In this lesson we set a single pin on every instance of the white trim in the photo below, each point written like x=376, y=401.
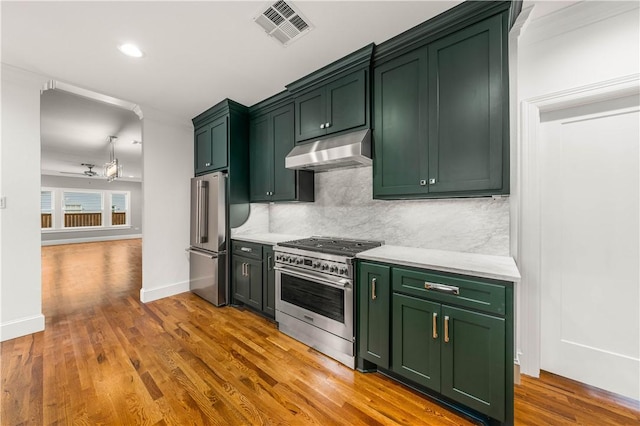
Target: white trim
x=149, y=295
x=111, y=228
x=90, y=239
x=529, y=208
x=21, y=327
x=575, y=16
x=90, y=94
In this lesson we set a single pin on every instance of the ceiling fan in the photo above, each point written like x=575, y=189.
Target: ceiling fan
x=88, y=172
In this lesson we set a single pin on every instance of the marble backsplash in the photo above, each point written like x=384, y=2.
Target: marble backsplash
x=344, y=207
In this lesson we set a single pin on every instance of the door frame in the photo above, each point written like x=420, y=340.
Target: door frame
x=529, y=212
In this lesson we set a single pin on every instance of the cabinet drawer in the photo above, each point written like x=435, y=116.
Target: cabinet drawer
x=473, y=293
x=245, y=249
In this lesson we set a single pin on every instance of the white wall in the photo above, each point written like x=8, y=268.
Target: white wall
x=20, y=269
x=167, y=167
x=568, y=51
x=580, y=45
x=70, y=236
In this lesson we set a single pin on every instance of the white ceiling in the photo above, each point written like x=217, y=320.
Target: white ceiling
x=197, y=53
x=76, y=130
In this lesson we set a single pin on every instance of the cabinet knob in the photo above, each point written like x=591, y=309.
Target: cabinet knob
x=207, y=164
x=432, y=181
x=423, y=182
x=322, y=126
x=327, y=125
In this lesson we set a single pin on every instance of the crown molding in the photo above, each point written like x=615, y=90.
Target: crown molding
x=573, y=17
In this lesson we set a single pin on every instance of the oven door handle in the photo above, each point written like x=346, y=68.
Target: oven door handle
x=339, y=283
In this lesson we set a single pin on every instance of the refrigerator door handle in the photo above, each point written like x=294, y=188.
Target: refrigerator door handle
x=200, y=253
x=203, y=211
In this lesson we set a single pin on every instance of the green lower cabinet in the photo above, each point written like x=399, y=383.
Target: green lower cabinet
x=253, y=277
x=473, y=360
x=416, y=340
x=269, y=282
x=456, y=352
x=248, y=281
x=374, y=293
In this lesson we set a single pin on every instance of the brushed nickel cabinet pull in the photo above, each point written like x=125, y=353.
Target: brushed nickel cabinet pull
x=434, y=333
x=322, y=126
x=442, y=288
x=373, y=289
x=446, y=329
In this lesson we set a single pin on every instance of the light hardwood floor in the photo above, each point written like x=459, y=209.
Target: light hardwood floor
x=106, y=358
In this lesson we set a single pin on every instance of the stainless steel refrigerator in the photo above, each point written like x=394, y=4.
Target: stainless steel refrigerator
x=208, y=272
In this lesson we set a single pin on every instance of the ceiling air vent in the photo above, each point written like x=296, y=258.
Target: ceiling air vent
x=282, y=21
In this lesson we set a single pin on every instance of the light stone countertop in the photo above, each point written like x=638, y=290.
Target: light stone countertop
x=266, y=238
x=478, y=265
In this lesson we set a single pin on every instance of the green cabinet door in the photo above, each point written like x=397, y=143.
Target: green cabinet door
x=310, y=115
x=241, y=285
x=219, y=140
x=261, y=158
x=473, y=360
x=253, y=270
x=268, y=282
x=417, y=326
x=247, y=281
x=374, y=304
x=202, y=147
x=400, y=166
x=284, y=180
x=211, y=146
x=347, y=100
x=467, y=106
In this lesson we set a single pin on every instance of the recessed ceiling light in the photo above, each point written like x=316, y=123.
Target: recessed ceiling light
x=131, y=50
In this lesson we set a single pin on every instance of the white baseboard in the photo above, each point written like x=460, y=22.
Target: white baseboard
x=21, y=327
x=90, y=239
x=149, y=295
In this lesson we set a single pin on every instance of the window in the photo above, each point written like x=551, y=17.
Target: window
x=74, y=209
x=118, y=209
x=46, y=209
x=82, y=209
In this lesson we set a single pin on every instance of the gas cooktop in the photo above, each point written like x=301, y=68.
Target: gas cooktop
x=331, y=245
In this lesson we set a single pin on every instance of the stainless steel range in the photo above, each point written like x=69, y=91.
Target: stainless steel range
x=315, y=293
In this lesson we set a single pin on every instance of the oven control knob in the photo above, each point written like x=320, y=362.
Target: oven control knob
x=333, y=268
x=292, y=259
x=325, y=266
x=343, y=271
x=299, y=261
x=316, y=265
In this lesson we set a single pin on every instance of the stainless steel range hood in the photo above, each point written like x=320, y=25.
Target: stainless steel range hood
x=348, y=150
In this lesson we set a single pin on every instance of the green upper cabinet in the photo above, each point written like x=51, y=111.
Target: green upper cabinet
x=271, y=139
x=441, y=112
x=467, y=109
x=311, y=115
x=261, y=158
x=338, y=106
x=211, y=146
x=221, y=143
x=401, y=151
x=334, y=99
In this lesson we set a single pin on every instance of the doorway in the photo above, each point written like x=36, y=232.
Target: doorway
x=589, y=240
